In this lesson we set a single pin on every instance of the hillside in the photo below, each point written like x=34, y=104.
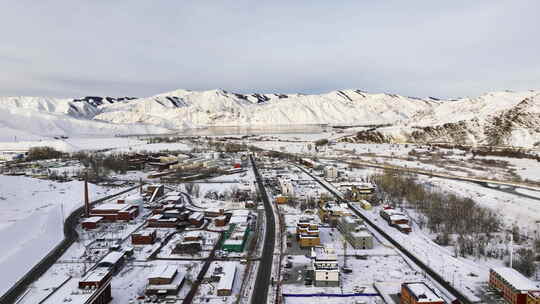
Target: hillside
x=494, y=118
x=501, y=118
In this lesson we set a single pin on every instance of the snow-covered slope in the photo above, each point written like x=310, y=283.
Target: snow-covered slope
x=493, y=118
x=180, y=109
x=32, y=118
x=499, y=118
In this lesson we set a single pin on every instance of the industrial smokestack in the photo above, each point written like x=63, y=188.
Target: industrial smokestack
x=86, y=199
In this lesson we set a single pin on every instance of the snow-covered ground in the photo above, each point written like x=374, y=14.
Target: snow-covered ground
x=31, y=223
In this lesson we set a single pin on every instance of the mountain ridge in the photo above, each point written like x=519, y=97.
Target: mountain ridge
x=472, y=120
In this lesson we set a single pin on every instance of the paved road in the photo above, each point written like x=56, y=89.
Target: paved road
x=264, y=274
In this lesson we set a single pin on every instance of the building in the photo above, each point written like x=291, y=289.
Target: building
x=172, y=199
x=196, y=218
x=330, y=212
x=325, y=266
x=94, y=288
x=187, y=247
x=165, y=280
x=280, y=199
x=419, y=293
x=249, y=204
x=330, y=172
x=163, y=274
x=355, y=232
x=307, y=232
x=143, y=237
x=357, y=191
x=235, y=238
x=99, y=280
x=226, y=281
x=286, y=186
x=114, y=260
x=155, y=191
x=115, y=212
x=159, y=221
x=191, y=236
x=514, y=287
x=240, y=217
x=91, y=223
x=220, y=221
x=214, y=212
x=533, y=297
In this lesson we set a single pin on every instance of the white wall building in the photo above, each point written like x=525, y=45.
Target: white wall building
x=325, y=267
x=330, y=172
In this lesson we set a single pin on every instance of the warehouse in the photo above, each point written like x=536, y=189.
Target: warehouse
x=95, y=288
x=226, y=281
x=113, y=260
x=514, y=287
x=91, y=223
x=419, y=292
x=165, y=280
x=115, y=212
x=143, y=237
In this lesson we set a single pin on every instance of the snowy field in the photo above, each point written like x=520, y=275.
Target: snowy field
x=31, y=223
x=74, y=144
x=116, y=144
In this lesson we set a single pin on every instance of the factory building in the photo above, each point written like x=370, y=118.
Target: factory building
x=514, y=287
x=419, y=293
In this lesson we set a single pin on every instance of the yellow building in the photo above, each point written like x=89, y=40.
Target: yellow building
x=307, y=232
x=280, y=199
x=533, y=297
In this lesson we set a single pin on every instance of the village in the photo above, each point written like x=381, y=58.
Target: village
x=215, y=226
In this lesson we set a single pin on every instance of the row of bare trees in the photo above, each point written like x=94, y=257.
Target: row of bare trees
x=471, y=229
x=437, y=210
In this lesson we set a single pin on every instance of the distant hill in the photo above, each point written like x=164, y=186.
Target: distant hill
x=509, y=118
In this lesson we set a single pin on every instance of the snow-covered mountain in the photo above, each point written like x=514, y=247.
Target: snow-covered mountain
x=498, y=118
x=494, y=118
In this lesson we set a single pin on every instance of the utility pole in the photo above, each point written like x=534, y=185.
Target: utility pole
x=86, y=199
x=344, y=253
x=62, y=212
x=511, y=249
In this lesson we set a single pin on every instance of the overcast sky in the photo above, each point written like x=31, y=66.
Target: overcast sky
x=141, y=48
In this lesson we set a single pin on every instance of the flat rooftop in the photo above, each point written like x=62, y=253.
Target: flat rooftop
x=515, y=278
x=92, y=219
x=164, y=272
x=70, y=293
x=111, y=207
x=423, y=292
x=96, y=275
